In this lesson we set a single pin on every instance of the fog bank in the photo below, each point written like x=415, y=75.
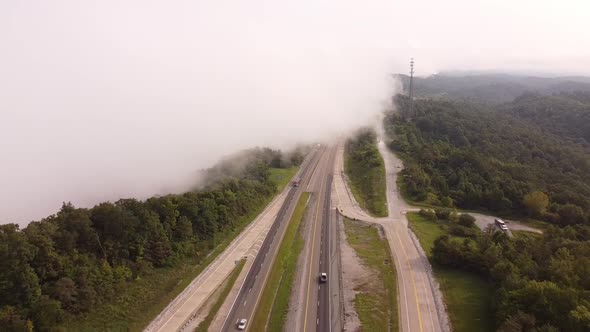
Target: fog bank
x=109, y=99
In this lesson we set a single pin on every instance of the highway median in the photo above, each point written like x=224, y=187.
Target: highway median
x=272, y=310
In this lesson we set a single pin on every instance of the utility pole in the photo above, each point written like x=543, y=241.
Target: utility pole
x=411, y=86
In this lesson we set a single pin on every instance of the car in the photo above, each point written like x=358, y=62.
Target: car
x=242, y=324
x=399, y=166
x=504, y=228
x=323, y=277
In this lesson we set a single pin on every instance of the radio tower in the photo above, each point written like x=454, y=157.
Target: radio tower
x=411, y=86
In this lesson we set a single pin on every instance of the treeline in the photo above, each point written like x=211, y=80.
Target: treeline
x=235, y=165
x=541, y=283
x=469, y=156
x=566, y=115
x=365, y=168
x=77, y=259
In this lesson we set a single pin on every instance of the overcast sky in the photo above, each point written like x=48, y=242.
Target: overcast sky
x=106, y=99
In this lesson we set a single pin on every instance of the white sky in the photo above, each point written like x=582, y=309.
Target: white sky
x=106, y=99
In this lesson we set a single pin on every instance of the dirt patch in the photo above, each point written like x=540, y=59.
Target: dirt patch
x=356, y=278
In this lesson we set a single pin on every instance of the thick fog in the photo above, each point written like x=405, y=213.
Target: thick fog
x=107, y=99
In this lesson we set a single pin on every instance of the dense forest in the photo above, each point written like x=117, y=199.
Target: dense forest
x=474, y=157
x=70, y=262
x=541, y=282
x=491, y=88
x=528, y=157
x=364, y=166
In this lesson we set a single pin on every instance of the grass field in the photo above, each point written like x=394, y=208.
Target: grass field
x=142, y=300
x=227, y=285
x=376, y=304
x=282, y=176
x=274, y=302
x=467, y=295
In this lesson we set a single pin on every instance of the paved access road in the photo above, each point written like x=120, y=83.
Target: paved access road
x=420, y=302
x=248, y=297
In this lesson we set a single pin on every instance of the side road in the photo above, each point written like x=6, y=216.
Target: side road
x=420, y=300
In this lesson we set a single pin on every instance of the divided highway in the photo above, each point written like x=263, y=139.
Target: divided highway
x=245, y=303
x=317, y=314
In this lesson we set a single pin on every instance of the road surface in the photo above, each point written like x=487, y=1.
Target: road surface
x=420, y=301
x=248, y=297
x=319, y=313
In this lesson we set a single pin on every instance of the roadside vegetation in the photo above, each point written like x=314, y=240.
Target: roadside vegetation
x=227, y=286
x=117, y=265
x=365, y=168
x=537, y=282
x=274, y=303
x=282, y=176
x=466, y=294
x=376, y=302
x=528, y=158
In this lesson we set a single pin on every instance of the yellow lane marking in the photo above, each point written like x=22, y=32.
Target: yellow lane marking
x=413, y=281
x=311, y=253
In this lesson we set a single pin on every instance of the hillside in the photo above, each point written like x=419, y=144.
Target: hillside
x=483, y=158
x=108, y=267
x=492, y=88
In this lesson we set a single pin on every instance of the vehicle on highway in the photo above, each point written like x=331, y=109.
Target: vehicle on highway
x=399, y=166
x=500, y=223
x=323, y=277
x=242, y=324
x=296, y=182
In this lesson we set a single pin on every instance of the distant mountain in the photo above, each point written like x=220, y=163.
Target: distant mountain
x=492, y=88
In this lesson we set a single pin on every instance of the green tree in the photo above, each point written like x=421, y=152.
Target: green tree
x=536, y=202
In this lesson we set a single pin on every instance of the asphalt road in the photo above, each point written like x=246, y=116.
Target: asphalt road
x=317, y=313
x=251, y=289
x=420, y=303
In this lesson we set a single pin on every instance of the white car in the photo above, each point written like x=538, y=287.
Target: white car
x=242, y=324
x=504, y=228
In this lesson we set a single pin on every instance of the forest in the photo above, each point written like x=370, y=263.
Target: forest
x=476, y=157
x=528, y=159
x=541, y=282
x=364, y=166
x=72, y=261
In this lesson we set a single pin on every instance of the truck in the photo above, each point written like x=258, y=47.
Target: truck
x=296, y=182
x=500, y=223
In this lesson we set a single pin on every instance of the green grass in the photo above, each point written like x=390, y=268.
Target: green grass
x=282, y=176
x=142, y=300
x=274, y=303
x=367, y=184
x=227, y=286
x=467, y=295
x=376, y=304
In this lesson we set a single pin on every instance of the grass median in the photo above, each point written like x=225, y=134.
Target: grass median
x=274, y=304
x=365, y=169
x=467, y=295
x=227, y=285
x=376, y=300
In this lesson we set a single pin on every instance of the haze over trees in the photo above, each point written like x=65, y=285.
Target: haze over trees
x=70, y=262
x=483, y=158
x=528, y=157
x=365, y=167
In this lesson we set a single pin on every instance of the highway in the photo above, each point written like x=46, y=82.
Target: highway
x=317, y=312
x=245, y=303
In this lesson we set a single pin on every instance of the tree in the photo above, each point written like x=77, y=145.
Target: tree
x=466, y=220
x=536, y=203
